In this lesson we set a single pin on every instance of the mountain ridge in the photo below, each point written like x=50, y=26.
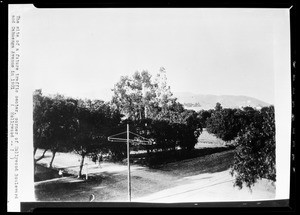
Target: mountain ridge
x=208, y=101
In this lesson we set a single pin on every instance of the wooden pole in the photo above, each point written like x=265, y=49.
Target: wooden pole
x=128, y=164
x=86, y=171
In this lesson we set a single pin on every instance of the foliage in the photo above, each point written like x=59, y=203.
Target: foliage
x=94, y=121
x=141, y=96
x=134, y=95
x=255, y=152
x=52, y=121
x=144, y=99
x=38, y=122
x=218, y=106
x=191, y=128
x=224, y=123
x=253, y=132
x=69, y=124
x=203, y=115
x=83, y=126
x=169, y=131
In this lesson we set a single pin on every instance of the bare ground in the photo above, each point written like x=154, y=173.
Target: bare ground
x=109, y=183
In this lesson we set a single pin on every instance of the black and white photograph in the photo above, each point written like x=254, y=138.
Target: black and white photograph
x=152, y=105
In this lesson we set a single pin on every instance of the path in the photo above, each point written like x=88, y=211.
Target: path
x=199, y=179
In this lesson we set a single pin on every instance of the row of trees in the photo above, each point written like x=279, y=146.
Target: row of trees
x=69, y=124
x=83, y=126
x=252, y=131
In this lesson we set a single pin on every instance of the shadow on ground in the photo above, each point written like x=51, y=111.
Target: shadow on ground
x=211, y=163
x=158, y=159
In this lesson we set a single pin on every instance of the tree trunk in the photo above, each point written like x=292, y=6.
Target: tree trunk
x=53, y=155
x=81, y=165
x=42, y=156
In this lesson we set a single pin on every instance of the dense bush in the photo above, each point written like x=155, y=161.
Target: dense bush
x=203, y=116
x=66, y=124
x=227, y=123
x=166, y=135
x=253, y=134
x=255, y=153
x=224, y=124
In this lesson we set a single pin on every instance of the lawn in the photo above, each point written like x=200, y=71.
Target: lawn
x=207, y=140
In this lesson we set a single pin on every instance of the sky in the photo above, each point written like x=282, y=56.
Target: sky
x=84, y=52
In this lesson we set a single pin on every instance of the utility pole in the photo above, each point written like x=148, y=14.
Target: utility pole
x=141, y=140
x=128, y=164
x=86, y=171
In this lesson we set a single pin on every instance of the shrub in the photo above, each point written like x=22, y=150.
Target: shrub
x=255, y=153
x=224, y=123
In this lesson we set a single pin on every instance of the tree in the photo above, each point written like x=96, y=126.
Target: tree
x=164, y=96
x=224, y=123
x=52, y=122
x=69, y=124
x=59, y=119
x=139, y=97
x=37, y=119
x=255, y=153
x=142, y=98
x=95, y=120
x=193, y=129
x=203, y=115
x=246, y=115
x=172, y=129
x=133, y=96
x=39, y=140
x=218, y=106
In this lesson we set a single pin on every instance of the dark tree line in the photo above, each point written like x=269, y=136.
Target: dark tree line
x=252, y=131
x=67, y=124
x=83, y=126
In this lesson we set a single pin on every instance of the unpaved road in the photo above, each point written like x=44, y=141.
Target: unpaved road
x=210, y=187
x=200, y=179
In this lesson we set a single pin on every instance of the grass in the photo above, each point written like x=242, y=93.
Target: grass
x=207, y=144
x=211, y=163
x=208, y=138
x=163, y=157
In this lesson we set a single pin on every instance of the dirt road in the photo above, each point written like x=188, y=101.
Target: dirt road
x=199, y=179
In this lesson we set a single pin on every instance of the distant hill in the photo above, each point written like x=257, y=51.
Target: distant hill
x=201, y=101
